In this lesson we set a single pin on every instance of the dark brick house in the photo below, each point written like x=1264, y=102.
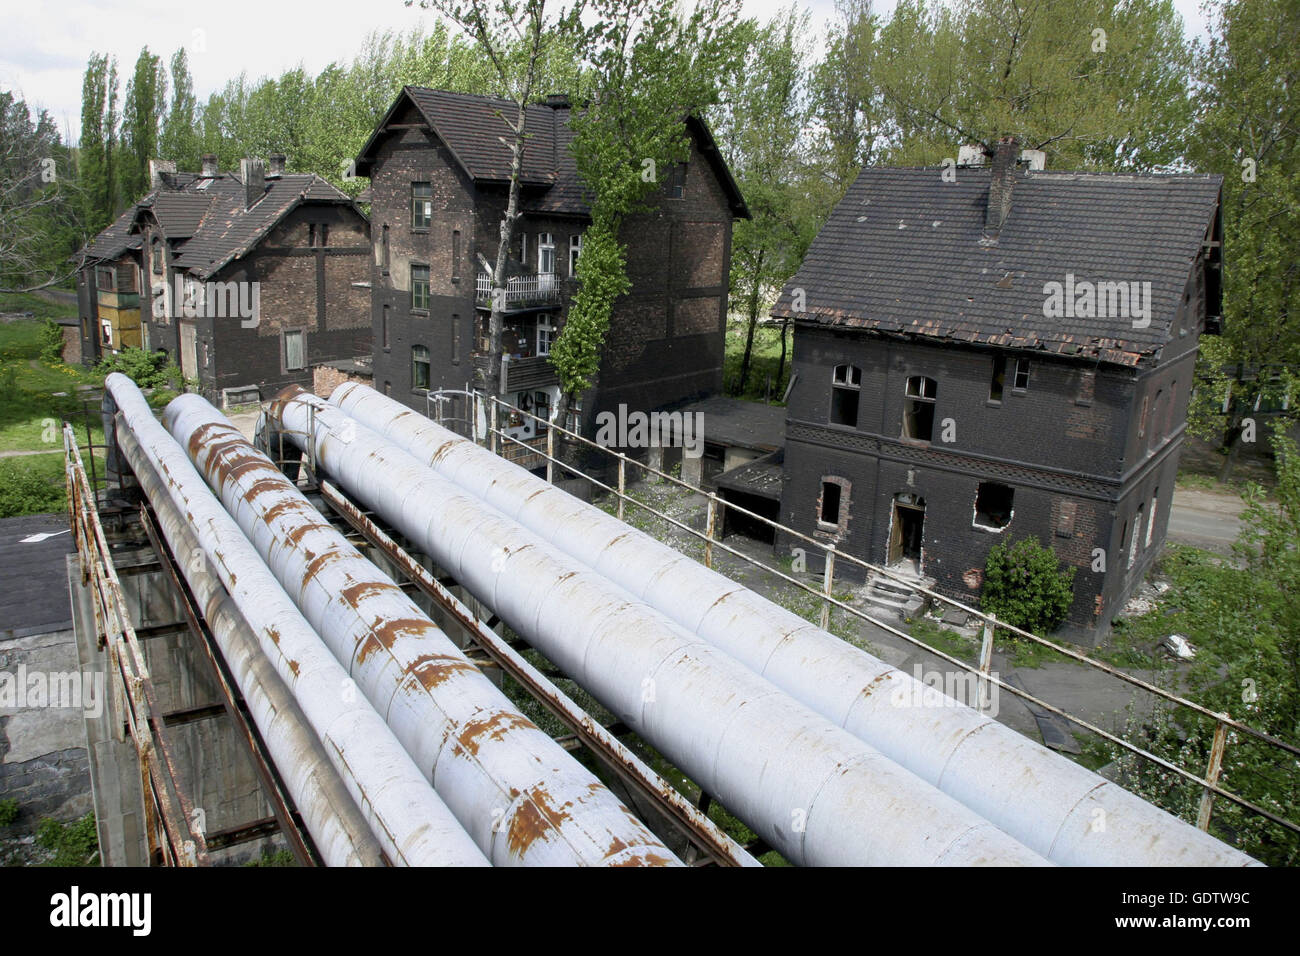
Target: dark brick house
x=439, y=183
x=247, y=280
x=968, y=368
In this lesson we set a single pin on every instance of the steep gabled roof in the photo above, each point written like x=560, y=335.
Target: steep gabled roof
x=472, y=129
x=114, y=240
x=904, y=252
x=178, y=213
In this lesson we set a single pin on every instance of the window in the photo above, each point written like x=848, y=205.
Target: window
x=384, y=259
x=999, y=376
x=1137, y=535
x=677, y=181
x=1169, y=407
x=993, y=506
x=846, y=383
x=383, y=327
x=455, y=340
x=318, y=234
x=419, y=367
x=1142, y=421
x=104, y=279
x=388, y=388
x=545, y=335
x=918, y=413
x=575, y=250
x=157, y=257
x=294, y=357
x=1155, y=413
x=542, y=409
x=1151, y=521
x=311, y=234
x=419, y=288
x=455, y=255
x=546, y=254
x=421, y=205
x=829, y=513
x=1087, y=387
x=1022, y=375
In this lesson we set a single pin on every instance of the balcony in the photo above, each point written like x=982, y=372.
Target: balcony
x=535, y=291
x=519, y=374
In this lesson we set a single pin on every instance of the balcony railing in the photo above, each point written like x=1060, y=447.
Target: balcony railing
x=521, y=292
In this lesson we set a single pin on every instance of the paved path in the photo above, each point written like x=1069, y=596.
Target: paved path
x=1205, y=519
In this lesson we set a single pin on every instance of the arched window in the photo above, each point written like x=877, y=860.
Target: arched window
x=918, y=412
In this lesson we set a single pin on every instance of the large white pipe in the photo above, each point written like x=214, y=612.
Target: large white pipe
x=338, y=831
x=1053, y=805
x=412, y=825
x=521, y=796
x=814, y=792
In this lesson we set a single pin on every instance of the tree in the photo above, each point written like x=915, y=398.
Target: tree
x=514, y=36
x=180, y=139
x=38, y=205
x=146, y=93
x=98, y=147
x=650, y=69
x=1025, y=586
x=1248, y=128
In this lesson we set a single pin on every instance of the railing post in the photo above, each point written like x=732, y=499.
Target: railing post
x=1212, y=774
x=622, y=484
x=708, y=531
x=492, y=424
x=986, y=661
x=550, y=453
x=828, y=580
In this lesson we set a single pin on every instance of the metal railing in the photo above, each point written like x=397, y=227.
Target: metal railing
x=519, y=291
x=168, y=808
x=1225, y=725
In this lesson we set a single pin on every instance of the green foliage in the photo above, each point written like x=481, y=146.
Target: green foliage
x=271, y=857
x=31, y=485
x=1025, y=585
x=51, y=342
x=8, y=812
x=945, y=639
x=602, y=272
x=142, y=112
x=97, y=152
x=146, y=369
x=73, y=844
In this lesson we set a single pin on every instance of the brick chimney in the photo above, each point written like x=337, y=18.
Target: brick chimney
x=156, y=168
x=1002, y=177
x=253, y=173
x=275, y=166
x=208, y=165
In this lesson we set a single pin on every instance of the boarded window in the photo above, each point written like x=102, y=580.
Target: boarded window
x=419, y=366
x=918, y=411
x=421, y=205
x=846, y=384
x=383, y=327
x=419, y=288
x=1151, y=520
x=999, y=377
x=384, y=260
x=455, y=254
x=993, y=505
x=1087, y=387
x=1065, y=519
x=1137, y=535
x=295, y=357
x=455, y=340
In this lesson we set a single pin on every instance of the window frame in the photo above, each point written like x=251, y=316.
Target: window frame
x=302, y=347
x=1022, y=369
x=575, y=253
x=1011, y=507
x=425, y=201
x=417, y=361
x=927, y=393
x=544, y=325
x=998, y=380
x=844, y=489
x=545, y=245
x=846, y=391
x=415, y=307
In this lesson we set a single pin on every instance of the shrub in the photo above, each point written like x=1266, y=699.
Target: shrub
x=146, y=369
x=1025, y=585
x=8, y=812
x=31, y=486
x=51, y=342
x=73, y=844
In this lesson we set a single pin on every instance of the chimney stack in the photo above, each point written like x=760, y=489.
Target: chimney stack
x=156, y=169
x=1002, y=177
x=208, y=165
x=253, y=173
x=275, y=166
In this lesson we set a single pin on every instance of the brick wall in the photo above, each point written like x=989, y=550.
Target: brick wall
x=325, y=378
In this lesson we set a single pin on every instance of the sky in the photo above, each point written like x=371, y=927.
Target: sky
x=45, y=43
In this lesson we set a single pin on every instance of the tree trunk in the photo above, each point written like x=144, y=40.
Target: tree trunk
x=780, y=366
x=496, y=318
x=753, y=324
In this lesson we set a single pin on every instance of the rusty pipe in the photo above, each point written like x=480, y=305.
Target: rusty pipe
x=1058, y=808
x=412, y=825
x=521, y=796
x=808, y=787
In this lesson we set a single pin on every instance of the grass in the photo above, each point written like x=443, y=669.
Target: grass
x=950, y=642
x=39, y=307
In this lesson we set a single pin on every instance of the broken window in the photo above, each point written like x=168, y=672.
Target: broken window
x=419, y=288
x=993, y=505
x=846, y=383
x=294, y=359
x=918, y=414
x=1137, y=535
x=830, y=514
x=999, y=376
x=1151, y=521
x=419, y=367
x=1022, y=374
x=421, y=205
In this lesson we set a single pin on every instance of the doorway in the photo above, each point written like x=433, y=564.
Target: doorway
x=906, y=530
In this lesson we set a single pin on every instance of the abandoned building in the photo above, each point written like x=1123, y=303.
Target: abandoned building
x=246, y=280
x=439, y=175
x=996, y=351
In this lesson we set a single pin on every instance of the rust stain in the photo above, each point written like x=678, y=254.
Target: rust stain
x=492, y=727
x=389, y=630
x=274, y=634
x=535, y=820
x=645, y=858
x=368, y=647
x=875, y=681
x=293, y=666
x=354, y=594
x=433, y=669
x=317, y=563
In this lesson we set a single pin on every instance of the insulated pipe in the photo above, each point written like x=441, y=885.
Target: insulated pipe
x=813, y=791
x=339, y=832
x=523, y=798
x=412, y=825
x=1054, y=806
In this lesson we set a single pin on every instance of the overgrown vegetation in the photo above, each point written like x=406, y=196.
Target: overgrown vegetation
x=72, y=844
x=271, y=857
x=1025, y=586
x=8, y=812
x=31, y=486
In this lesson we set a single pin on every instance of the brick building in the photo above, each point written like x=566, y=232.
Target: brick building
x=439, y=184
x=969, y=368
x=247, y=280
